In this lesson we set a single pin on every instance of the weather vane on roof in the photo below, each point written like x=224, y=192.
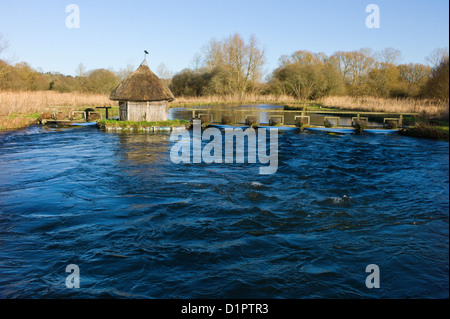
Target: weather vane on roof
x=145, y=52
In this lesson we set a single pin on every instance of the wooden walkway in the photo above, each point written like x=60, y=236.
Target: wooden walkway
x=303, y=117
x=70, y=114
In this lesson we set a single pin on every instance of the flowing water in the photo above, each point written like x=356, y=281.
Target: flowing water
x=139, y=226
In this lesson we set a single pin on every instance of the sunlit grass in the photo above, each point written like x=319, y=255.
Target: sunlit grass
x=168, y=123
x=238, y=99
x=426, y=130
x=29, y=102
x=423, y=107
x=20, y=109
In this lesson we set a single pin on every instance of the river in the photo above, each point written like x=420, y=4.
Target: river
x=139, y=226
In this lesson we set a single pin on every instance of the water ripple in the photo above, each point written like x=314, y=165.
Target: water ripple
x=139, y=226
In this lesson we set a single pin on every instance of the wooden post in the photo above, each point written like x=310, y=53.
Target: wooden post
x=400, y=121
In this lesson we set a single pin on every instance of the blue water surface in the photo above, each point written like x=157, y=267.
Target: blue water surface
x=139, y=226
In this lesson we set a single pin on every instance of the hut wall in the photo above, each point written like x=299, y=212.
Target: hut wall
x=123, y=111
x=144, y=111
x=157, y=111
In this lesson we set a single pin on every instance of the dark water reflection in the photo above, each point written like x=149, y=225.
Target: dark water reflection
x=263, y=112
x=138, y=225
x=239, y=114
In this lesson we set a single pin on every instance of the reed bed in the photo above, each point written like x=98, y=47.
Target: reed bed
x=28, y=102
x=18, y=109
x=184, y=101
x=423, y=107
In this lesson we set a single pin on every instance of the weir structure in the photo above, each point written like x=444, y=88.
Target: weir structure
x=301, y=117
x=329, y=121
x=304, y=119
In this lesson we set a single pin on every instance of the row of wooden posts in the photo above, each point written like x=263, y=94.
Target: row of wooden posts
x=361, y=118
x=62, y=114
x=304, y=118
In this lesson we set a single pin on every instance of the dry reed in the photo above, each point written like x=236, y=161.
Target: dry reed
x=27, y=102
x=423, y=107
x=232, y=99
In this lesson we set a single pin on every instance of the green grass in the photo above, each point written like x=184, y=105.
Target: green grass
x=308, y=106
x=195, y=104
x=33, y=115
x=426, y=130
x=168, y=123
x=13, y=116
x=442, y=128
x=17, y=121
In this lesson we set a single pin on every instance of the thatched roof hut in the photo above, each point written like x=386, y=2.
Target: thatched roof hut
x=142, y=96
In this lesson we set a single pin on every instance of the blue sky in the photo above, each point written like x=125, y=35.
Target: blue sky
x=113, y=34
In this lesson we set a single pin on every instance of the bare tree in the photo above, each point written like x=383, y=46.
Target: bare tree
x=341, y=62
x=4, y=43
x=353, y=65
x=163, y=72
x=125, y=72
x=196, y=62
x=415, y=76
x=437, y=56
x=240, y=62
x=391, y=56
x=438, y=84
x=81, y=70
x=304, y=57
x=213, y=55
x=254, y=61
x=414, y=72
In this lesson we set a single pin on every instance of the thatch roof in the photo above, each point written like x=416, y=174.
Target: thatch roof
x=141, y=86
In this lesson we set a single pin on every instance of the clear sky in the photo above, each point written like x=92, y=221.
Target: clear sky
x=113, y=34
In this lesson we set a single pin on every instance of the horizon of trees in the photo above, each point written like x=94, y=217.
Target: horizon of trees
x=311, y=75
x=234, y=66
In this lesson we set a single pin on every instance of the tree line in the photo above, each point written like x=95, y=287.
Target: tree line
x=21, y=77
x=234, y=66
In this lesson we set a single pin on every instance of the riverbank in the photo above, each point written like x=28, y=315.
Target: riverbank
x=114, y=125
x=230, y=100
x=20, y=109
x=119, y=203
x=17, y=121
x=426, y=108
x=431, y=131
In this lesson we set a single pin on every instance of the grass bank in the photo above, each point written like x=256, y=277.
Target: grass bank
x=230, y=100
x=137, y=125
x=39, y=101
x=20, y=109
x=424, y=107
x=17, y=121
x=438, y=130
